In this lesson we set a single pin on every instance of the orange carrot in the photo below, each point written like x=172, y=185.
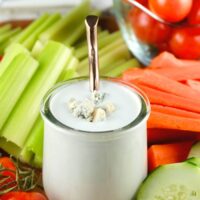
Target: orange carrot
x=157, y=81
x=159, y=136
x=167, y=153
x=132, y=74
x=175, y=73
x=183, y=74
x=168, y=60
x=174, y=111
x=171, y=100
x=166, y=121
x=194, y=84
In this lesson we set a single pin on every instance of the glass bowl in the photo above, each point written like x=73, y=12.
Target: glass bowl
x=146, y=41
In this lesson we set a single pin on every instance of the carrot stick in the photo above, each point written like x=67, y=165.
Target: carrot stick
x=174, y=111
x=132, y=74
x=171, y=100
x=167, y=153
x=166, y=121
x=159, y=136
x=175, y=73
x=168, y=60
x=183, y=74
x=162, y=83
x=194, y=84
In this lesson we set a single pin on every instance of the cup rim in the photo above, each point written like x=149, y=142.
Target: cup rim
x=48, y=115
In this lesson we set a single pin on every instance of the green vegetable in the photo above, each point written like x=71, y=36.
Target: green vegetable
x=5, y=28
x=70, y=70
x=31, y=29
x=13, y=83
x=103, y=40
x=118, y=70
x=114, y=65
x=9, y=147
x=37, y=49
x=107, y=56
x=52, y=61
x=7, y=35
x=10, y=53
x=32, y=151
x=67, y=23
x=173, y=181
x=50, y=21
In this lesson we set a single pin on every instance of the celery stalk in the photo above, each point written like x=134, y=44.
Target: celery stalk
x=5, y=40
x=117, y=71
x=31, y=28
x=9, y=147
x=112, y=66
x=37, y=49
x=59, y=30
x=20, y=72
x=7, y=35
x=117, y=54
x=74, y=34
x=101, y=34
x=76, y=31
x=104, y=40
x=5, y=28
x=108, y=55
x=106, y=50
x=11, y=52
x=52, y=61
x=70, y=66
x=119, y=43
x=33, y=148
x=70, y=72
x=30, y=41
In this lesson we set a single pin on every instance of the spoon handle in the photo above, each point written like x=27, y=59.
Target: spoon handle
x=91, y=23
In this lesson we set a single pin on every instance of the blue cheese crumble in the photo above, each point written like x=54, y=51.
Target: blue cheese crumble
x=93, y=109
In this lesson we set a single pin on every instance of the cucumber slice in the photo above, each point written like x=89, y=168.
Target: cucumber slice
x=194, y=161
x=195, y=150
x=172, y=182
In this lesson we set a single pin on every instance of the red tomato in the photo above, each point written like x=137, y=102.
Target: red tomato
x=143, y=2
x=8, y=164
x=171, y=10
x=185, y=43
x=194, y=15
x=1, y=58
x=147, y=29
x=23, y=196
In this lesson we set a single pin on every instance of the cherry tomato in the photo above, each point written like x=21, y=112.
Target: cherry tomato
x=7, y=163
x=171, y=10
x=1, y=57
x=143, y=2
x=185, y=43
x=147, y=29
x=23, y=196
x=194, y=15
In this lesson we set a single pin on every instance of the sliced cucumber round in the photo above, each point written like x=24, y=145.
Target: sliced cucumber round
x=180, y=181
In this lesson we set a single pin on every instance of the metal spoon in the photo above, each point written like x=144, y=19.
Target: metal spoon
x=91, y=23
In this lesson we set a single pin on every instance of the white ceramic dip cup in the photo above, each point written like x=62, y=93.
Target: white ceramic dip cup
x=82, y=162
